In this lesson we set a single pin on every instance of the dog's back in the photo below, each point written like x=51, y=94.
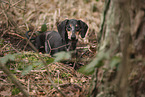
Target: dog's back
x=53, y=42
x=48, y=42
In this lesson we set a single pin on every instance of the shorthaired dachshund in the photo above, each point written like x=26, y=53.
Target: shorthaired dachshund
x=64, y=40
x=70, y=30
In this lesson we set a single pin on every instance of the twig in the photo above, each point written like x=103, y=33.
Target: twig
x=104, y=19
x=13, y=5
x=4, y=46
x=14, y=48
x=41, y=88
x=58, y=76
x=16, y=3
x=84, y=53
x=64, y=67
x=19, y=42
x=32, y=71
x=28, y=87
x=16, y=35
x=28, y=42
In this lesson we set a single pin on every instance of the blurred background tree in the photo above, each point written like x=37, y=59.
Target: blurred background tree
x=121, y=70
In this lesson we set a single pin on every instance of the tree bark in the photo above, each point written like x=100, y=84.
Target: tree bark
x=122, y=32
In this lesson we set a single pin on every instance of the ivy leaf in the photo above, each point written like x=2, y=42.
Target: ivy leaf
x=50, y=60
x=62, y=56
x=115, y=61
x=43, y=28
x=15, y=91
x=27, y=69
x=89, y=69
x=6, y=58
x=96, y=63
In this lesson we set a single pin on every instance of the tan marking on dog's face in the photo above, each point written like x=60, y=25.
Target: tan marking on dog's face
x=69, y=34
x=70, y=25
x=77, y=35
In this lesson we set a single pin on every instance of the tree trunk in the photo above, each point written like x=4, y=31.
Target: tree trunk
x=122, y=33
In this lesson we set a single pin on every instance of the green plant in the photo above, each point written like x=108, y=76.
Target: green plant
x=15, y=91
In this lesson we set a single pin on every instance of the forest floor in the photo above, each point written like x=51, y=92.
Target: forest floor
x=17, y=17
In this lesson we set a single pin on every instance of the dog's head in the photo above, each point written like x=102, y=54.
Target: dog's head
x=71, y=29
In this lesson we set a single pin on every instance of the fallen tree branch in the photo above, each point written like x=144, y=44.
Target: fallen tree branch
x=14, y=80
x=15, y=34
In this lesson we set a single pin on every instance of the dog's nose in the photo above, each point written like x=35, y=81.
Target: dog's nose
x=73, y=37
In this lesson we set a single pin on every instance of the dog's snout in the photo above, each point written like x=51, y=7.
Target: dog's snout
x=73, y=37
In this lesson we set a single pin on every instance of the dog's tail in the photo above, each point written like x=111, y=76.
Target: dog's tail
x=32, y=38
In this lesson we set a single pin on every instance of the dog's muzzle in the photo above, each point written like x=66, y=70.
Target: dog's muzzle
x=73, y=36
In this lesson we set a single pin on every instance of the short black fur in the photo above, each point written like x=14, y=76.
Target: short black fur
x=48, y=42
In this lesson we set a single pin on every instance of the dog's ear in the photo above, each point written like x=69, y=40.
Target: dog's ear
x=61, y=27
x=84, y=28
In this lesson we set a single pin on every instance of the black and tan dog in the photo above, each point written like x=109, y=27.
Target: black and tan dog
x=70, y=31
x=64, y=40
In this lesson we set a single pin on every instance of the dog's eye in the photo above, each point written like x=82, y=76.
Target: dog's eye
x=69, y=28
x=77, y=28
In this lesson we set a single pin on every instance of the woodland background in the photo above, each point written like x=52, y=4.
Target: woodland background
x=19, y=16
x=113, y=51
